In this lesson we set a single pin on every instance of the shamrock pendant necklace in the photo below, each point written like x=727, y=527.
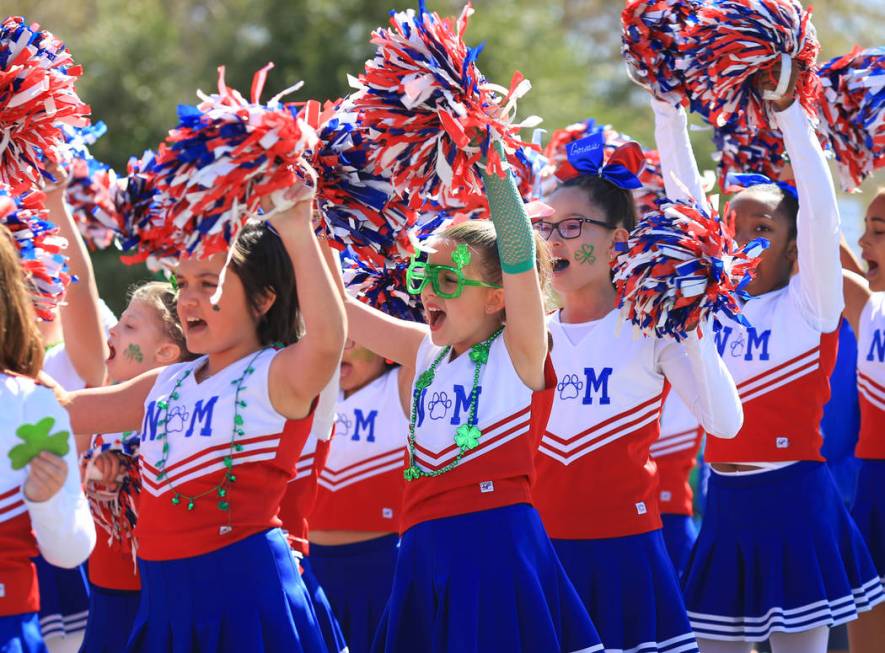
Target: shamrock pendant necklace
x=467, y=436
x=237, y=431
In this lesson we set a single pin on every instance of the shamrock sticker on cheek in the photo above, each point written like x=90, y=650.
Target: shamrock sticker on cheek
x=585, y=254
x=36, y=439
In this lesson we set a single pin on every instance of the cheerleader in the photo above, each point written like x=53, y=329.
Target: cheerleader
x=75, y=358
x=42, y=508
x=606, y=414
x=778, y=557
x=675, y=453
x=353, y=538
x=298, y=503
x=219, y=440
x=475, y=570
x=865, y=309
x=147, y=336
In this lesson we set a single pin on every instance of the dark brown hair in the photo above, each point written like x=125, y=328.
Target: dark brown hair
x=21, y=348
x=617, y=203
x=261, y=262
x=480, y=236
x=787, y=205
x=162, y=298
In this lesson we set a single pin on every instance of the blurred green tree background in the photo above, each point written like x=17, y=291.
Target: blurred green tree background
x=143, y=57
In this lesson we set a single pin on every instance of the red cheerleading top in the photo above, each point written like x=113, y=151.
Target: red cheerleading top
x=871, y=378
x=500, y=470
x=675, y=453
x=112, y=564
x=361, y=486
x=59, y=528
x=199, y=426
x=301, y=493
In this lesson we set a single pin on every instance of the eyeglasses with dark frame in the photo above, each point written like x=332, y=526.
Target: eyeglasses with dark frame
x=568, y=229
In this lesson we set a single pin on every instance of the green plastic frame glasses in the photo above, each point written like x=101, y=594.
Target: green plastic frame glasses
x=447, y=281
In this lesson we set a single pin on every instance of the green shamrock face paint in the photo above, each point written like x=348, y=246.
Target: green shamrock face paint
x=585, y=254
x=133, y=353
x=36, y=438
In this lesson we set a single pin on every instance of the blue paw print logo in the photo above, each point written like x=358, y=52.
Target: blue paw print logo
x=738, y=345
x=570, y=387
x=176, y=419
x=439, y=405
x=342, y=425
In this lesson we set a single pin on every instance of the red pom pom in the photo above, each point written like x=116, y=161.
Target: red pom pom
x=37, y=97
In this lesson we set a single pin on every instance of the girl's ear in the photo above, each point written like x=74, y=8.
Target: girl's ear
x=792, y=254
x=495, y=301
x=620, y=235
x=167, y=353
x=267, y=300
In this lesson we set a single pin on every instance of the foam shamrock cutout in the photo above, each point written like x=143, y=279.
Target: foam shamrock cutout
x=467, y=437
x=37, y=438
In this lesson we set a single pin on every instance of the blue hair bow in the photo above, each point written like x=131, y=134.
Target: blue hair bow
x=586, y=156
x=735, y=182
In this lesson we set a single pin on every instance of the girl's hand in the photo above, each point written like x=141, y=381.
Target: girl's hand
x=47, y=473
x=768, y=81
x=298, y=201
x=107, y=464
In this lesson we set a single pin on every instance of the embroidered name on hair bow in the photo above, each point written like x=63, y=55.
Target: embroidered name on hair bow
x=735, y=182
x=586, y=157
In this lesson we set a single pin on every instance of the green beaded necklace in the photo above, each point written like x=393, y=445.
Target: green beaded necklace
x=467, y=436
x=220, y=489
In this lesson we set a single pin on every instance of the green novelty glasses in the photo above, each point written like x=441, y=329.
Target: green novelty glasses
x=447, y=281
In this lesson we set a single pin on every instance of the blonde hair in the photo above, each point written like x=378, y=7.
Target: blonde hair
x=163, y=299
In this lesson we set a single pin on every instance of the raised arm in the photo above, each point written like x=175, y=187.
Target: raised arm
x=682, y=180
x=300, y=371
x=526, y=332
x=817, y=225
x=395, y=339
x=85, y=341
x=700, y=378
x=62, y=524
x=857, y=294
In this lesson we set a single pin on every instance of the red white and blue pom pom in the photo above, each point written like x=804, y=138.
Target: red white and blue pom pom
x=679, y=267
x=226, y=154
x=731, y=41
x=651, y=37
x=39, y=247
x=114, y=506
x=37, y=97
x=358, y=208
x=741, y=149
x=853, y=113
x=432, y=114
x=146, y=236
x=90, y=193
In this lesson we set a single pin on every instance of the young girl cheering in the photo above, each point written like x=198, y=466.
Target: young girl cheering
x=148, y=336
x=778, y=557
x=475, y=570
x=353, y=538
x=42, y=508
x=597, y=488
x=220, y=437
x=865, y=310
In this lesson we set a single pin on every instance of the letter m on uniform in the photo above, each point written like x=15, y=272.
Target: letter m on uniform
x=596, y=384
x=877, y=346
x=364, y=422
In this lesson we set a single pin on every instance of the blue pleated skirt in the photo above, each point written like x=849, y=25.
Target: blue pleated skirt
x=869, y=510
x=357, y=579
x=680, y=534
x=111, y=615
x=20, y=633
x=483, y=582
x=777, y=552
x=329, y=625
x=630, y=589
x=64, y=599
x=248, y=596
